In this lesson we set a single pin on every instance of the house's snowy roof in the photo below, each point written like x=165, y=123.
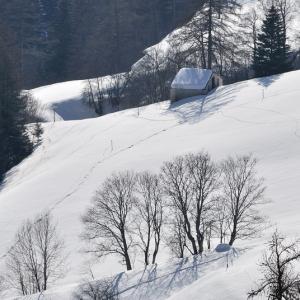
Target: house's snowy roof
x=191, y=78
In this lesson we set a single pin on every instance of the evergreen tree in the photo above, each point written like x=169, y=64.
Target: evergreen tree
x=60, y=48
x=271, y=53
x=15, y=143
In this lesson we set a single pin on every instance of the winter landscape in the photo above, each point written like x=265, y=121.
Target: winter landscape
x=172, y=173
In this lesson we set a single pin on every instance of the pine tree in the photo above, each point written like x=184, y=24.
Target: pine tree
x=57, y=63
x=15, y=143
x=38, y=132
x=271, y=53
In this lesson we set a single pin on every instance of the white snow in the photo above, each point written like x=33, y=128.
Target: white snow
x=260, y=116
x=191, y=78
x=63, y=101
x=156, y=282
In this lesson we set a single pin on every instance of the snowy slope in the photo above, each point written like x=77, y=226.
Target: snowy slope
x=63, y=101
x=156, y=282
x=259, y=116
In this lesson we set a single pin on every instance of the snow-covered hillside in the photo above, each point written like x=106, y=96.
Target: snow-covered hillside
x=63, y=101
x=261, y=116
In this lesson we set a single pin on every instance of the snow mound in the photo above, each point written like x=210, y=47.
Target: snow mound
x=223, y=248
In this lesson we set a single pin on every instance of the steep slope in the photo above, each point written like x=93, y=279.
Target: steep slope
x=259, y=116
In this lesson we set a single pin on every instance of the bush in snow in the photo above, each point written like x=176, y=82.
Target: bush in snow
x=92, y=289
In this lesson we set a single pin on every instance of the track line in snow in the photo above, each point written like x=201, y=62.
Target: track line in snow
x=289, y=117
x=90, y=171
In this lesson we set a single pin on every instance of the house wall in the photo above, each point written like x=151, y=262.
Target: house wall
x=177, y=94
x=218, y=80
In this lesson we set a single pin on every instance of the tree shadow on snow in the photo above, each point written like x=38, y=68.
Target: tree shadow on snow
x=74, y=109
x=152, y=284
x=267, y=81
x=194, y=109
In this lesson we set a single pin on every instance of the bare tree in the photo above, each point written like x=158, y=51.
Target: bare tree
x=279, y=278
x=190, y=181
x=178, y=186
x=50, y=249
x=176, y=241
x=107, y=222
x=36, y=259
x=149, y=77
x=116, y=90
x=243, y=192
x=93, y=94
x=250, y=22
x=204, y=175
x=221, y=218
x=149, y=219
x=210, y=32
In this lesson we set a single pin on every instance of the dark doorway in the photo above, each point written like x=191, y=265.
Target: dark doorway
x=213, y=82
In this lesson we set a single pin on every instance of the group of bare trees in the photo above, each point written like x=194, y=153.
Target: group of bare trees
x=192, y=201
x=37, y=257
x=150, y=77
x=146, y=83
x=105, y=94
x=126, y=213
x=212, y=200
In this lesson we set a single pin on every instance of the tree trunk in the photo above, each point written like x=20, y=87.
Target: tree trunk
x=157, y=242
x=233, y=234
x=146, y=252
x=126, y=254
x=209, y=50
x=187, y=228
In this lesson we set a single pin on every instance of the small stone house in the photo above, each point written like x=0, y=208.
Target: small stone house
x=193, y=82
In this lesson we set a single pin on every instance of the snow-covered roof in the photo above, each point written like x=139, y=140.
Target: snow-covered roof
x=191, y=78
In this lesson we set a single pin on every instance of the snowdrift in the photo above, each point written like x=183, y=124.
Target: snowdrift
x=260, y=116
